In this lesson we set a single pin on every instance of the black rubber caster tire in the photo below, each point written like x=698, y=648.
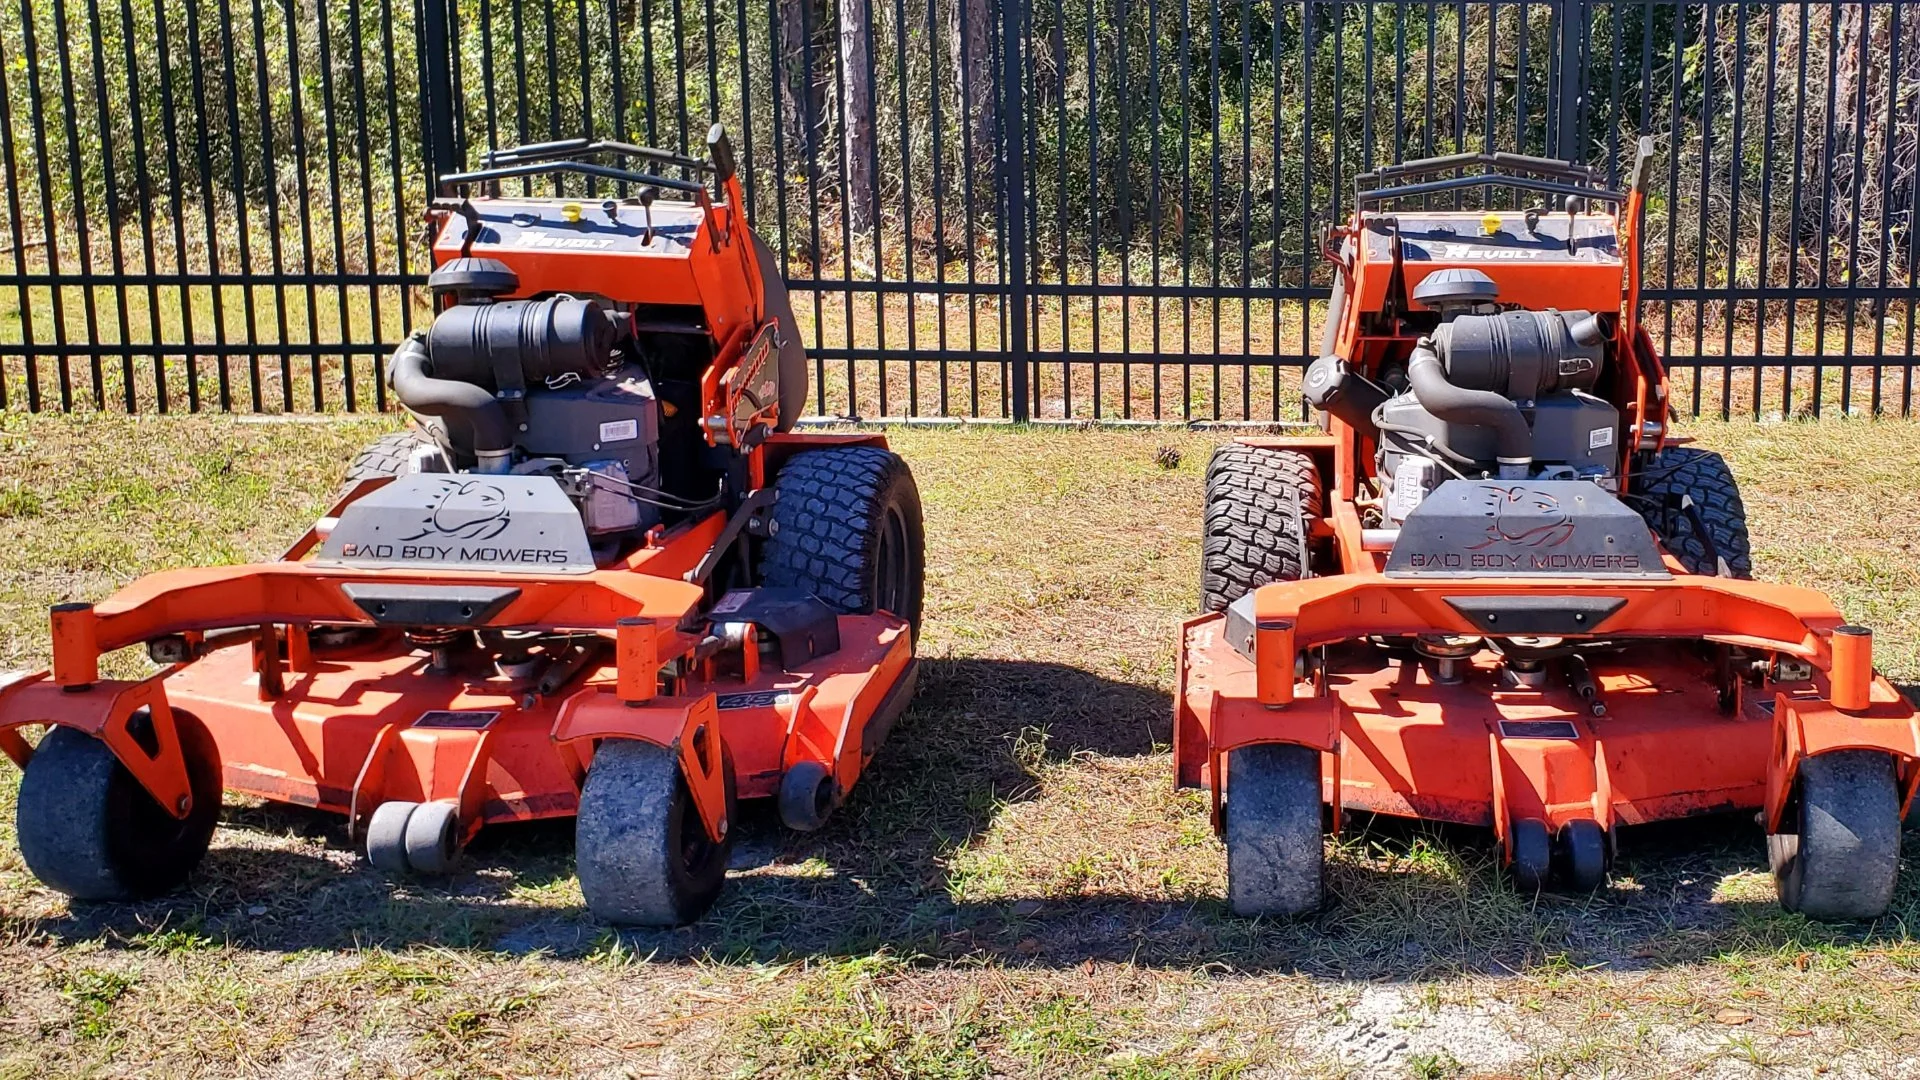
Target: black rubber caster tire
x=807, y=796
x=644, y=859
x=433, y=838
x=1276, y=848
x=1532, y=864
x=387, y=836
x=88, y=829
x=1844, y=859
x=1583, y=855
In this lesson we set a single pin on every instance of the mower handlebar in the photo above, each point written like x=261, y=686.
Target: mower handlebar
x=584, y=168
x=562, y=155
x=580, y=147
x=1547, y=176
x=1554, y=167
x=1367, y=198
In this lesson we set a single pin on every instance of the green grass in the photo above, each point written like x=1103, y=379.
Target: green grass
x=1014, y=888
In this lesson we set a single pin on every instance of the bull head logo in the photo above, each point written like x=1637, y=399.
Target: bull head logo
x=1524, y=517
x=469, y=510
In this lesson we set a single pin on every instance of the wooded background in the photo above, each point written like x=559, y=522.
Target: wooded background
x=1026, y=192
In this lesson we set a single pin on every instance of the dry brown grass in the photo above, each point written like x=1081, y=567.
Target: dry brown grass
x=1014, y=888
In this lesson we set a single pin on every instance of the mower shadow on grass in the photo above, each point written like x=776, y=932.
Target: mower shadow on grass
x=1411, y=900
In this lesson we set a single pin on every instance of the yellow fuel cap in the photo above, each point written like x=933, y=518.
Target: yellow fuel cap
x=1489, y=224
x=571, y=213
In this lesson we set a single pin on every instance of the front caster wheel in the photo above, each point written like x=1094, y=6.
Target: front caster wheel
x=1841, y=861
x=88, y=829
x=433, y=838
x=807, y=794
x=1275, y=848
x=1532, y=855
x=1583, y=855
x=387, y=836
x=644, y=857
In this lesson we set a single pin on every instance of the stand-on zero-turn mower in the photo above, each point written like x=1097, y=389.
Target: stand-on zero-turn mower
x=1496, y=592
x=602, y=578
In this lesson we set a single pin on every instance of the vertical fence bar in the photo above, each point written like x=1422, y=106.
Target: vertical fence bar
x=1729, y=310
x=288, y=14
x=17, y=235
x=117, y=258
x=1014, y=203
x=275, y=250
x=83, y=237
x=1764, y=262
x=437, y=94
x=349, y=392
x=1856, y=182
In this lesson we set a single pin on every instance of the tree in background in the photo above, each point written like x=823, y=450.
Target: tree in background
x=856, y=112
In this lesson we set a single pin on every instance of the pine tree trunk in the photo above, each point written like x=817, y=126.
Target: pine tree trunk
x=800, y=97
x=971, y=45
x=856, y=111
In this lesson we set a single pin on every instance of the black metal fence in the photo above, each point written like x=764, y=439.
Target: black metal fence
x=1045, y=209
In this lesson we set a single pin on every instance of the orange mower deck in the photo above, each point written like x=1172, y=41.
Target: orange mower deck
x=1476, y=751
x=348, y=729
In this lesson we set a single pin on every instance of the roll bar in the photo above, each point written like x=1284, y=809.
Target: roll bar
x=1546, y=176
x=565, y=156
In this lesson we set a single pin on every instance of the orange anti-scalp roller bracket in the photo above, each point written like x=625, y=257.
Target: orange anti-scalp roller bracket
x=688, y=726
x=105, y=710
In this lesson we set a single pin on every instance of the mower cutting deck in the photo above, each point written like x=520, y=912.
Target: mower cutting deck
x=602, y=579
x=1496, y=592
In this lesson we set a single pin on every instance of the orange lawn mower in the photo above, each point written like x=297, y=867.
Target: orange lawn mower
x=601, y=578
x=1497, y=592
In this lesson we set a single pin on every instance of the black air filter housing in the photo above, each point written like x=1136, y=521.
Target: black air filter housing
x=487, y=344
x=1522, y=354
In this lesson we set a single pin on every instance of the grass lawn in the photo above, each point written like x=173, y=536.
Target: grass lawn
x=1014, y=889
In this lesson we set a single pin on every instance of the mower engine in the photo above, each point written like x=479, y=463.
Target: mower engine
x=542, y=387
x=1487, y=393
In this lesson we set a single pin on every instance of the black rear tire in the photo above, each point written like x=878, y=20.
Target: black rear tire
x=1692, y=502
x=848, y=529
x=644, y=858
x=1276, y=853
x=385, y=456
x=88, y=829
x=1843, y=860
x=1259, y=504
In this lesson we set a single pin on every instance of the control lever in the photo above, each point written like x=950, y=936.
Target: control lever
x=647, y=195
x=471, y=216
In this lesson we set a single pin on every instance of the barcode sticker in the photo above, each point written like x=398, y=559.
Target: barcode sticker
x=619, y=430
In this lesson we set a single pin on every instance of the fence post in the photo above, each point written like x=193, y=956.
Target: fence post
x=1013, y=199
x=1571, y=17
x=438, y=91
